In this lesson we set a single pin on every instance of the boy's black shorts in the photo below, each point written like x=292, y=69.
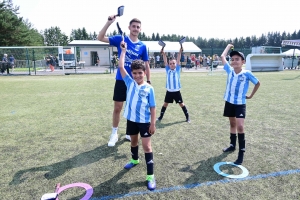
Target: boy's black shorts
x=232, y=110
x=120, y=91
x=134, y=128
x=171, y=96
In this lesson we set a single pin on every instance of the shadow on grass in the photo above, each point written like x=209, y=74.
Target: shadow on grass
x=204, y=172
x=59, y=168
x=289, y=79
x=113, y=186
x=159, y=124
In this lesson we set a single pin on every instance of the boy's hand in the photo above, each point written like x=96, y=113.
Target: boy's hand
x=152, y=129
x=123, y=46
x=230, y=46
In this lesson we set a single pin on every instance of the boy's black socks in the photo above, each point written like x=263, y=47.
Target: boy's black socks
x=242, y=149
x=185, y=111
x=135, y=152
x=240, y=158
x=150, y=163
x=232, y=143
x=162, y=112
x=242, y=142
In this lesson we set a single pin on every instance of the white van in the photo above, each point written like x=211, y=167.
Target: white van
x=66, y=56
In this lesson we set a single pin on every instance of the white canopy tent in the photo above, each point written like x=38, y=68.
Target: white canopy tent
x=189, y=47
x=292, y=52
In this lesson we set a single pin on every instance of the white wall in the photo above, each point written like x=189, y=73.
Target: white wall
x=103, y=53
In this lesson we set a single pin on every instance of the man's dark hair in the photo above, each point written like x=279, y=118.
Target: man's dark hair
x=135, y=20
x=138, y=64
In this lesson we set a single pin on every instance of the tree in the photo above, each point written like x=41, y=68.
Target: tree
x=157, y=38
x=15, y=31
x=54, y=37
x=153, y=37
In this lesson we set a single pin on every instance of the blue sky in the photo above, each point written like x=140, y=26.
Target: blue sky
x=212, y=19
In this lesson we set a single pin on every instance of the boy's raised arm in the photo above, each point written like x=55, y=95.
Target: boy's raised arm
x=179, y=56
x=164, y=57
x=225, y=52
x=122, y=59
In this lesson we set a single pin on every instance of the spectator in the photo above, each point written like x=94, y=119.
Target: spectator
x=207, y=62
x=114, y=60
x=157, y=61
x=12, y=62
x=188, y=62
x=52, y=63
x=5, y=64
x=204, y=61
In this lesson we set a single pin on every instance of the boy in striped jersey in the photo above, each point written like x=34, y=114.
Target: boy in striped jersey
x=235, y=98
x=173, y=85
x=139, y=112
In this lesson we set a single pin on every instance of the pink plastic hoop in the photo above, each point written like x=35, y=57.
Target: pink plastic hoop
x=87, y=187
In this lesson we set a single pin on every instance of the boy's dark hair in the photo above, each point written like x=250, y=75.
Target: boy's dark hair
x=172, y=58
x=138, y=64
x=135, y=20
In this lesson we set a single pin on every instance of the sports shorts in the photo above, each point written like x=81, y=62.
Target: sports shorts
x=171, y=96
x=120, y=91
x=134, y=128
x=233, y=110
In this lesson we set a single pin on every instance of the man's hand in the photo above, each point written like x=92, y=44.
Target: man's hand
x=111, y=19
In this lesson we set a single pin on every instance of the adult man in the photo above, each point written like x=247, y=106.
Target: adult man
x=4, y=64
x=157, y=61
x=135, y=50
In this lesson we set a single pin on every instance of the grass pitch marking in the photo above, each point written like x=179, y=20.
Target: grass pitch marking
x=197, y=185
x=242, y=175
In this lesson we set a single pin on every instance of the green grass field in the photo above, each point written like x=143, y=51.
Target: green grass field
x=54, y=129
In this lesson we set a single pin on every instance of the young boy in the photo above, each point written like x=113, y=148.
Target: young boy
x=139, y=112
x=173, y=85
x=235, y=98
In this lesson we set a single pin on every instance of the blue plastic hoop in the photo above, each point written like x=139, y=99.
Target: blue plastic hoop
x=243, y=175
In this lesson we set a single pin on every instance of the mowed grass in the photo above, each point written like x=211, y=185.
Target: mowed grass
x=54, y=129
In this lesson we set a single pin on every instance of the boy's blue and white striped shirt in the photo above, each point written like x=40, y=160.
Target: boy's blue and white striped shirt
x=139, y=100
x=173, y=79
x=237, y=85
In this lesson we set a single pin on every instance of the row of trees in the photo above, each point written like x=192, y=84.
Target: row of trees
x=15, y=31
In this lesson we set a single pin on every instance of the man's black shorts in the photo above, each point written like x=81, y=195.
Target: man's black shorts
x=171, y=96
x=232, y=110
x=120, y=91
x=134, y=128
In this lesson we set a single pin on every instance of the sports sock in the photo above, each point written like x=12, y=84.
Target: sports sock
x=114, y=130
x=242, y=141
x=162, y=112
x=241, y=137
x=149, y=161
x=135, y=152
x=233, y=139
x=185, y=111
